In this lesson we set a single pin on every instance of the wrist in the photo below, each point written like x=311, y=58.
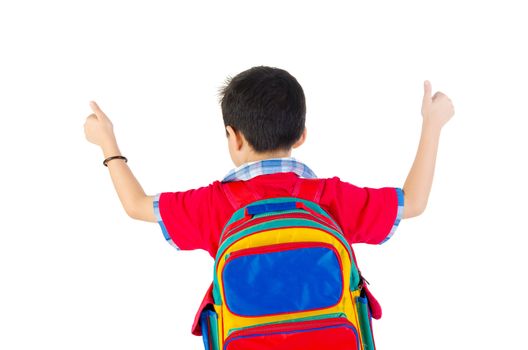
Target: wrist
x=110, y=148
x=431, y=127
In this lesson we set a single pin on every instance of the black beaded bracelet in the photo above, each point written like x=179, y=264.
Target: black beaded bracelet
x=114, y=157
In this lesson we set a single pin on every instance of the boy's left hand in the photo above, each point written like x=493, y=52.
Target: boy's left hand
x=437, y=109
x=98, y=128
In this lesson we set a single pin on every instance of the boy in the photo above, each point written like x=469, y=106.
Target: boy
x=264, y=116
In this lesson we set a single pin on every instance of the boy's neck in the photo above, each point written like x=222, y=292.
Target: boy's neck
x=256, y=156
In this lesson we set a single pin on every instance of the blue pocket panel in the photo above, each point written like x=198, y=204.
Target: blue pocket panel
x=287, y=281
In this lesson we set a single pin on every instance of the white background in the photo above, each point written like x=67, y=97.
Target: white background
x=77, y=273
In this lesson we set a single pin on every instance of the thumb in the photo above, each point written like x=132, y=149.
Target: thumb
x=427, y=91
x=97, y=110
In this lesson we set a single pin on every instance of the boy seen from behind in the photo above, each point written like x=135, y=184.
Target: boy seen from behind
x=264, y=115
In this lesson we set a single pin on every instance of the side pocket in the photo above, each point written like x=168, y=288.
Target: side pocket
x=209, y=326
x=364, y=322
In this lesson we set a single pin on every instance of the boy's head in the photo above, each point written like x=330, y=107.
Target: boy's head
x=264, y=113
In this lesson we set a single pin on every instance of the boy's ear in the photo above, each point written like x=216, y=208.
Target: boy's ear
x=301, y=139
x=235, y=138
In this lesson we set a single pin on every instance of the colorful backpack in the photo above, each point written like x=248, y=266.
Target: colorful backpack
x=285, y=278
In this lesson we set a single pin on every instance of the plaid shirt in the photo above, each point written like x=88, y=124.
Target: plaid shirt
x=269, y=166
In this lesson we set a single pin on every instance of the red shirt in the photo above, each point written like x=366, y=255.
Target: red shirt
x=194, y=219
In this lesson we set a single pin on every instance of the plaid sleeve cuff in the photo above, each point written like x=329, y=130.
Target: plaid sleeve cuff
x=160, y=222
x=399, y=214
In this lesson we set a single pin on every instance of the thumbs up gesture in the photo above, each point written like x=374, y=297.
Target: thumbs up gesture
x=436, y=109
x=98, y=128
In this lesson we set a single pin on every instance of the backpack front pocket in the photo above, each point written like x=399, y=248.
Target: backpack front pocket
x=282, y=278
x=332, y=333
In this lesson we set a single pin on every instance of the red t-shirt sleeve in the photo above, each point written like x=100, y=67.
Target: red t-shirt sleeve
x=366, y=215
x=193, y=219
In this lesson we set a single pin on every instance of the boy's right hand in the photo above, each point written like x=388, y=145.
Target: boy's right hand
x=98, y=128
x=436, y=109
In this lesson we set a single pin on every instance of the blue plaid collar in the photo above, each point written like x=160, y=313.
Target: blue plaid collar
x=269, y=166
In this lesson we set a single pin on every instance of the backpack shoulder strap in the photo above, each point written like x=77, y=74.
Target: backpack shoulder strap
x=309, y=189
x=240, y=193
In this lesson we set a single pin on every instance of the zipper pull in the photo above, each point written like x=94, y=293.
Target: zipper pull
x=362, y=281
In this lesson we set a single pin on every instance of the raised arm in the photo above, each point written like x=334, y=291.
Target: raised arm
x=99, y=130
x=436, y=112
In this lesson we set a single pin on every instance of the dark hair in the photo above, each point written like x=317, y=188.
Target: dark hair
x=266, y=105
